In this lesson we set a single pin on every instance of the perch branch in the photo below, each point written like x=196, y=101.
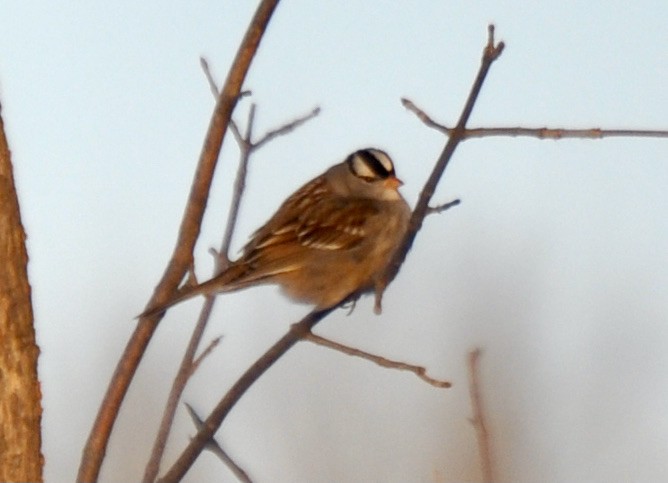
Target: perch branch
x=96, y=445
x=419, y=371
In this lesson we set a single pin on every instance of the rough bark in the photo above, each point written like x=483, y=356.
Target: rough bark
x=20, y=396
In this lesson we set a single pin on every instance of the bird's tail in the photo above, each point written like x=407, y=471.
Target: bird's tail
x=223, y=282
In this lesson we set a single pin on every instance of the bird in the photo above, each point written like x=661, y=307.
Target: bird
x=330, y=241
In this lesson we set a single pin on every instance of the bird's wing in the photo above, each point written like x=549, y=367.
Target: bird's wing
x=329, y=224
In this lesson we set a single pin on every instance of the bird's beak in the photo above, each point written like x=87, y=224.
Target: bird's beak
x=393, y=183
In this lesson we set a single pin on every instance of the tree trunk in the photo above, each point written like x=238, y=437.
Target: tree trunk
x=20, y=396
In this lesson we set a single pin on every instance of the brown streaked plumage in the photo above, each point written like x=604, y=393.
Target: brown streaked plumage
x=329, y=240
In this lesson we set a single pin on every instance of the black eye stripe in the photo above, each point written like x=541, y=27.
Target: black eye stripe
x=372, y=165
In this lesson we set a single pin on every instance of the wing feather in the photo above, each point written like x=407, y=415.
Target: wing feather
x=325, y=223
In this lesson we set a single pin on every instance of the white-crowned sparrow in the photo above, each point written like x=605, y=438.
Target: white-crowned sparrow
x=330, y=240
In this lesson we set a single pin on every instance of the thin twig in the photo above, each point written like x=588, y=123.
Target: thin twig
x=216, y=449
x=423, y=116
x=419, y=371
x=213, y=85
x=478, y=420
x=96, y=445
x=540, y=132
x=441, y=208
x=286, y=128
x=205, y=353
x=238, y=190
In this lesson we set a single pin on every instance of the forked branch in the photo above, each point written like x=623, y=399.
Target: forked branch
x=419, y=371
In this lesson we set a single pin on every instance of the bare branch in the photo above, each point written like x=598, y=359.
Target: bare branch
x=424, y=117
x=441, y=208
x=286, y=128
x=540, y=133
x=245, y=149
x=205, y=353
x=419, y=371
x=213, y=85
x=216, y=449
x=478, y=419
x=209, y=77
x=561, y=133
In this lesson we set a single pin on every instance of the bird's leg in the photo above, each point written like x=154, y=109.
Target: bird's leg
x=379, y=290
x=351, y=303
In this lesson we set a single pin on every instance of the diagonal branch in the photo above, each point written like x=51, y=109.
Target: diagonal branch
x=96, y=445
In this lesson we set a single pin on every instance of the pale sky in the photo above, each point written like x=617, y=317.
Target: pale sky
x=555, y=263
